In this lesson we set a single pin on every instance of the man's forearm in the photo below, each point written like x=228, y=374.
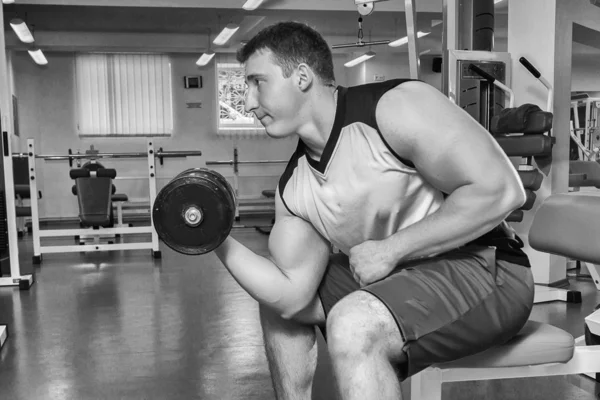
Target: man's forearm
x=258, y=275
x=465, y=215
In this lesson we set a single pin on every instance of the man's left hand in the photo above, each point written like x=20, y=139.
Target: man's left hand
x=371, y=261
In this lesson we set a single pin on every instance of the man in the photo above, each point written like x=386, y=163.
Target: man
x=412, y=190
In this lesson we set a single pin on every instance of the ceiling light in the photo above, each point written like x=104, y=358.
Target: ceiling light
x=38, y=56
x=21, y=29
x=498, y=1
x=404, y=40
x=8, y=1
x=360, y=59
x=205, y=58
x=252, y=5
x=226, y=34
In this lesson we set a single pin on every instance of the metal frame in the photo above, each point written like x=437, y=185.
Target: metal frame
x=3, y=335
x=592, y=105
x=413, y=46
x=235, y=163
x=427, y=385
x=544, y=294
x=461, y=55
x=153, y=244
x=15, y=278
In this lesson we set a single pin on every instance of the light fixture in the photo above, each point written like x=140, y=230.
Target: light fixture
x=498, y=1
x=252, y=5
x=8, y=1
x=226, y=34
x=38, y=56
x=21, y=29
x=368, y=55
x=360, y=42
x=205, y=58
x=404, y=40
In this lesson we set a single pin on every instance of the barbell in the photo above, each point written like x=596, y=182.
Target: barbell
x=194, y=213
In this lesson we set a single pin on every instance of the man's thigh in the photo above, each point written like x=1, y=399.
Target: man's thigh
x=446, y=307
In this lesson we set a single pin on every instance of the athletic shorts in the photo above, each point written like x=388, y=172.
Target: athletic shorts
x=446, y=307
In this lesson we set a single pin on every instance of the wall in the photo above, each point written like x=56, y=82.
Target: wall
x=390, y=66
x=586, y=73
x=47, y=114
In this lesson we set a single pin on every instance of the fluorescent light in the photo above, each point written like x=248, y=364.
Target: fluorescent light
x=360, y=59
x=205, y=58
x=404, y=40
x=252, y=5
x=226, y=34
x=21, y=29
x=498, y=1
x=8, y=1
x=38, y=56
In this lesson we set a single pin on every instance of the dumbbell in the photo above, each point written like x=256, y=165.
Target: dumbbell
x=194, y=213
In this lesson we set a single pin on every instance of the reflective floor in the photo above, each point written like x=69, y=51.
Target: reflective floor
x=120, y=325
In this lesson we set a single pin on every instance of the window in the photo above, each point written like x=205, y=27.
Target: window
x=124, y=94
x=233, y=120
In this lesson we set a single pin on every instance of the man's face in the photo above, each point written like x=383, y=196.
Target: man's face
x=274, y=99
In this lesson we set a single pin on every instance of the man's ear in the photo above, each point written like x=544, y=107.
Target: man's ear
x=304, y=77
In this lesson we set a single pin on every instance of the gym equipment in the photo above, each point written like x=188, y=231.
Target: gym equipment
x=563, y=225
x=93, y=188
x=22, y=193
x=8, y=220
x=241, y=201
x=150, y=155
x=193, y=214
x=3, y=335
x=584, y=110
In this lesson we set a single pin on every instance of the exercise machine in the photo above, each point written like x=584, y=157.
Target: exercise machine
x=150, y=155
x=95, y=193
x=563, y=225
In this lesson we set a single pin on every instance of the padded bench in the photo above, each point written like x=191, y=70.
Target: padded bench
x=563, y=225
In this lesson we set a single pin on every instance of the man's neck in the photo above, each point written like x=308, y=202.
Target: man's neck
x=320, y=112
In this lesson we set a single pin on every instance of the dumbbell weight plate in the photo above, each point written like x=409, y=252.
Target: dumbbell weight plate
x=194, y=213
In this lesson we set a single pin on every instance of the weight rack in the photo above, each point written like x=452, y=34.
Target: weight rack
x=38, y=233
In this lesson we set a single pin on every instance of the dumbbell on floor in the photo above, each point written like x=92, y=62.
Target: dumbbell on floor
x=194, y=213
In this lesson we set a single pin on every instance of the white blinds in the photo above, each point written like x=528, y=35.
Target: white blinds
x=124, y=94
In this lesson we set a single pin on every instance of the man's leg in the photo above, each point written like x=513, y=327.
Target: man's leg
x=291, y=349
x=365, y=346
x=433, y=311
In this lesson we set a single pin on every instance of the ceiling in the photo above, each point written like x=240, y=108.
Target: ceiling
x=200, y=20
x=340, y=27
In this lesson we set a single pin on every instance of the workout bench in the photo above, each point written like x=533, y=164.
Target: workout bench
x=563, y=225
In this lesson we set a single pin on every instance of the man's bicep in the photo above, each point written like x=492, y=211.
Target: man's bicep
x=297, y=249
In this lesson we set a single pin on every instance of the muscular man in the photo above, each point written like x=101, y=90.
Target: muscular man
x=413, y=192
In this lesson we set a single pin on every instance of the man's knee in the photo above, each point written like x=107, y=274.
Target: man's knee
x=360, y=324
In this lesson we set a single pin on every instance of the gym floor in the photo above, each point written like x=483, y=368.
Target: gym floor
x=120, y=325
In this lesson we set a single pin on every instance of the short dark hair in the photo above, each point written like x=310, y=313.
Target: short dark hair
x=293, y=43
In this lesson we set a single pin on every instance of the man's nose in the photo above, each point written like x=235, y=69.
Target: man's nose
x=250, y=103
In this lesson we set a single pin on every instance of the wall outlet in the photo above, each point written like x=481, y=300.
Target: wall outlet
x=378, y=78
